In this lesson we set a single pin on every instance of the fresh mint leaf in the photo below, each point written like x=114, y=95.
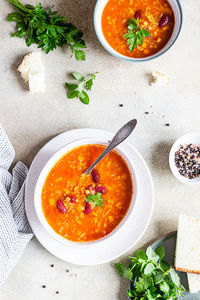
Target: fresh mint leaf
x=78, y=88
x=78, y=76
x=83, y=96
x=46, y=28
x=72, y=94
x=71, y=86
x=89, y=84
x=123, y=271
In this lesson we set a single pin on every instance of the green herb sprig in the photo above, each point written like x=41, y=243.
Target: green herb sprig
x=151, y=277
x=76, y=90
x=96, y=199
x=135, y=35
x=46, y=28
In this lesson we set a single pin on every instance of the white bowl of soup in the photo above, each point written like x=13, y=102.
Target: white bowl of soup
x=77, y=208
x=136, y=30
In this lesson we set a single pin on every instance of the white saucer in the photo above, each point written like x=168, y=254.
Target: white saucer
x=117, y=244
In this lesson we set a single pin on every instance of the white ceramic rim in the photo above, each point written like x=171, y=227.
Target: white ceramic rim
x=120, y=149
x=177, y=9
x=189, y=138
x=117, y=245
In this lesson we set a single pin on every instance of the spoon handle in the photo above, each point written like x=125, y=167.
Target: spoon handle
x=119, y=137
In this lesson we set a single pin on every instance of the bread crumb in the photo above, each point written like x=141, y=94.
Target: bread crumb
x=159, y=79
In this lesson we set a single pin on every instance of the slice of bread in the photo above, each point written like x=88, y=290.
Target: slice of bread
x=33, y=72
x=193, y=283
x=188, y=245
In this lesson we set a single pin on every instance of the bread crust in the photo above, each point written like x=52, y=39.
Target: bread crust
x=24, y=62
x=187, y=270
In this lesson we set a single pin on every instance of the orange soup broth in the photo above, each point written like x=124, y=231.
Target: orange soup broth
x=114, y=25
x=67, y=177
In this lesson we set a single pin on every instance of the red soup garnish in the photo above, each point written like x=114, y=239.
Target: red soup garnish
x=80, y=209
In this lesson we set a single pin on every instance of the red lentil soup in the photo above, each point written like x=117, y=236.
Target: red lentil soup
x=150, y=13
x=67, y=187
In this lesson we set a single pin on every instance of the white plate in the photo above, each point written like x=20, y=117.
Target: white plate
x=117, y=244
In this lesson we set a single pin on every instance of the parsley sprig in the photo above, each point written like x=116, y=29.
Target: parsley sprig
x=76, y=90
x=135, y=34
x=46, y=28
x=96, y=199
x=151, y=277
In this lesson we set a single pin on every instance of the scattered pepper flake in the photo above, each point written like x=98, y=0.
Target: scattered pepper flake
x=121, y=105
x=44, y=286
x=167, y=124
x=52, y=265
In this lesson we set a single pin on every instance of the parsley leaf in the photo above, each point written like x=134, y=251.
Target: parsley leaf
x=77, y=90
x=151, y=254
x=160, y=251
x=46, y=28
x=149, y=269
x=123, y=271
x=96, y=199
x=141, y=254
x=151, y=278
x=135, y=34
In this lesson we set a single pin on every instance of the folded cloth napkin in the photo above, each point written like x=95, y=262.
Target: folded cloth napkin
x=15, y=231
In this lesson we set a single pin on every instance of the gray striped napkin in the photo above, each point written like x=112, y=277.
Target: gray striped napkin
x=15, y=232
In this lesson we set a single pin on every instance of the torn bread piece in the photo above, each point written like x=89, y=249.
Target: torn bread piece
x=159, y=79
x=193, y=283
x=188, y=245
x=33, y=72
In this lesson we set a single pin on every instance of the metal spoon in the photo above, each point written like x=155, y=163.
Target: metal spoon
x=119, y=137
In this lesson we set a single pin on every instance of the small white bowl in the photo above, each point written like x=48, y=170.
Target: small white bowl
x=49, y=165
x=189, y=138
x=100, y=5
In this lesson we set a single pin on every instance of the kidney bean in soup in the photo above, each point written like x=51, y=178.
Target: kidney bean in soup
x=82, y=207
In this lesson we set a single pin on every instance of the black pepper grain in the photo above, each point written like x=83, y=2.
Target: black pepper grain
x=43, y=286
x=121, y=105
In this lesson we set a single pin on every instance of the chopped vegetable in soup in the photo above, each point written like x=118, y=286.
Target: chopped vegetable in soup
x=83, y=207
x=137, y=28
